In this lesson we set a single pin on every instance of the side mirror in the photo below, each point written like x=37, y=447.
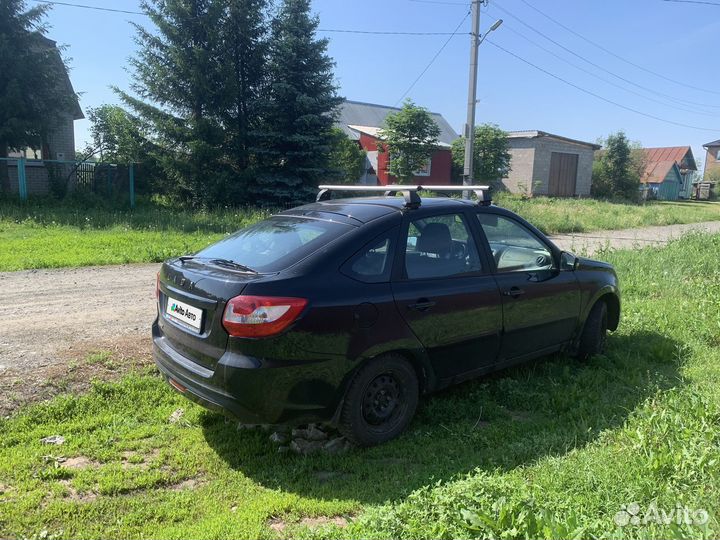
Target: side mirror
x=568, y=262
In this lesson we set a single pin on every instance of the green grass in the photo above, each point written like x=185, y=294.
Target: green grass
x=558, y=215
x=551, y=449
x=44, y=234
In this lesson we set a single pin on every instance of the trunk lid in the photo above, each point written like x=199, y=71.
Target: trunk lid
x=192, y=299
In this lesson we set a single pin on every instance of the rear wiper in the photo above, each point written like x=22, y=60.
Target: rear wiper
x=184, y=258
x=232, y=264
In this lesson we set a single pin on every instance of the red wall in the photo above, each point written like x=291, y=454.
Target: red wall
x=440, y=165
x=368, y=143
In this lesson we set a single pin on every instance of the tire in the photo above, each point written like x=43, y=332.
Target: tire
x=380, y=401
x=594, y=334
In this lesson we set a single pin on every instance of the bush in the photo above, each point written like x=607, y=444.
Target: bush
x=617, y=169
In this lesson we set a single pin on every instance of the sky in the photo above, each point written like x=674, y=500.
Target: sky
x=603, y=89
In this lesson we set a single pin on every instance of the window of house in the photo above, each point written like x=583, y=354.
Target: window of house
x=717, y=155
x=27, y=153
x=425, y=171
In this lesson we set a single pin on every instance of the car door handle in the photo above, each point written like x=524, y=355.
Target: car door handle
x=422, y=305
x=514, y=292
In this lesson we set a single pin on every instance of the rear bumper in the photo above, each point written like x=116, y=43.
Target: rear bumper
x=255, y=390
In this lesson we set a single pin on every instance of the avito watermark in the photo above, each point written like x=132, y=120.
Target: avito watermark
x=633, y=514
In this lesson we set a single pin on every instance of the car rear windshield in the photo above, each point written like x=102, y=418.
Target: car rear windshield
x=276, y=243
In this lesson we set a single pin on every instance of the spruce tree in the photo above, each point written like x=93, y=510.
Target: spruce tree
x=198, y=81
x=298, y=109
x=244, y=35
x=177, y=72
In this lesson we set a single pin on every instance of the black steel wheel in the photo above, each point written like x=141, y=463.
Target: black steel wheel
x=594, y=335
x=380, y=401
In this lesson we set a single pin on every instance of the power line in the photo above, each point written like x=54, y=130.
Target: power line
x=608, y=51
x=334, y=30
x=84, y=6
x=694, y=2
x=432, y=60
x=563, y=47
x=441, y=2
x=598, y=96
x=382, y=33
x=605, y=80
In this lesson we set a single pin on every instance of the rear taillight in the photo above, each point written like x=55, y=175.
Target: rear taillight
x=261, y=316
x=157, y=286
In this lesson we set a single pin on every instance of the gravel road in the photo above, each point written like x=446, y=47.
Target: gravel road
x=48, y=315
x=52, y=316
x=590, y=243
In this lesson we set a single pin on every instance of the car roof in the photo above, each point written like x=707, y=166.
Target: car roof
x=366, y=209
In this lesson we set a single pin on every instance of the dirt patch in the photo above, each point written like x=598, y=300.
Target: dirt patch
x=133, y=459
x=190, y=483
x=80, y=463
x=75, y=495
x=279, y=525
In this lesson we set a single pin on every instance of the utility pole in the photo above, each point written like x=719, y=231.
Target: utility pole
x=472, y=97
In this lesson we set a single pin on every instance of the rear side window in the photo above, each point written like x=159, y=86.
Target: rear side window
x=276, y=243
x=373, y=263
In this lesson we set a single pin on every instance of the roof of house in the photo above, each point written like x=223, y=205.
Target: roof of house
x=656, y=171
x=77, y=111
x=370, y=115
x=659, y=161
x=534, y=134
x=678, y=154
x=714, y=143
x=377, y=133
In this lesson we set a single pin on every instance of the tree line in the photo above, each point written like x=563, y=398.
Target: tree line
x=234, y=102
x=231, y=101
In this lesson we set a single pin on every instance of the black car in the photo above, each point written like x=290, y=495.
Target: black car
x=345, y=311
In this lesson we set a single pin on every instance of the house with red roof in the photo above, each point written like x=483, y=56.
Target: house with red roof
x=363, y=122
x=669, y=172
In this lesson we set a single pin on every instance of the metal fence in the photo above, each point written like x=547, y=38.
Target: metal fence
x=57, y=177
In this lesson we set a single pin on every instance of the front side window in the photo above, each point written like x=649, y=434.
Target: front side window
x=514, y=247
x=276, y=243
x=440, y=246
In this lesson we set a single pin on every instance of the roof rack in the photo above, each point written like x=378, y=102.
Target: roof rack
x=412, y=199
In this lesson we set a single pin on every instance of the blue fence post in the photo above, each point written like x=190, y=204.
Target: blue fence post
x=131, y=173
x=22, y=180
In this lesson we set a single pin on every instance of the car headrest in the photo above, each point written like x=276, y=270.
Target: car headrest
x=435, y=238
